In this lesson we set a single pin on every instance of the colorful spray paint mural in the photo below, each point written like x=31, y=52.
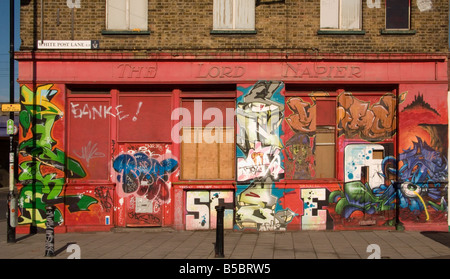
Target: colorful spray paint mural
x=423, y=162
x=375, y=182
x=144, y=176
x=299, y=147
x=367, y=119
x=201, y=213
x=309, y=136
x=260, y=111
x=43, y=163
x=388, y=179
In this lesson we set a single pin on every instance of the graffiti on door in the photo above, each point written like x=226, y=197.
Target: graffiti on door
x=144, y=172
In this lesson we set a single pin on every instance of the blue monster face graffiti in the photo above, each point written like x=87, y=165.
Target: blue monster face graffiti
x=423, y=164
x=422, y=172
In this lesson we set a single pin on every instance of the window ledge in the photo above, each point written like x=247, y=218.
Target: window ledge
x=341, y=32
x=124, y=32
x=232, y=32
x=397, y=32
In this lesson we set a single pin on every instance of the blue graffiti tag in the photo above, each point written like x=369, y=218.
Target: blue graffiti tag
x=139, y=172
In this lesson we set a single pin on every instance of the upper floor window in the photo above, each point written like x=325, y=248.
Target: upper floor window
x=341, y=14
x=234, y=15
x=397, y=14
x=127, y=15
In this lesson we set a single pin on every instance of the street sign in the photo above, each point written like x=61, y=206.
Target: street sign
x=10, y=107
x=10, y=127
x=68, y=44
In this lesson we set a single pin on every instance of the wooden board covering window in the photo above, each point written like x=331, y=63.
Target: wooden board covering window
x=207, y=160
x=325, y=154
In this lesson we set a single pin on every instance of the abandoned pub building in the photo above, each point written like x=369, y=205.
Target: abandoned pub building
x=294, y=114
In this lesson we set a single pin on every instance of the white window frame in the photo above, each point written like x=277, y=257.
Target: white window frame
x=234, y=15
x=129, y=15
x=332, y=14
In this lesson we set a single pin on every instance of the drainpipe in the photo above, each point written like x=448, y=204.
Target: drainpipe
x=12, y=199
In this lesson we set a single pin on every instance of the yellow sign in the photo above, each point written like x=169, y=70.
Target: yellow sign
x=10, y=107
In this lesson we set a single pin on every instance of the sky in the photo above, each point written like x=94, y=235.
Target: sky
x=4, y=49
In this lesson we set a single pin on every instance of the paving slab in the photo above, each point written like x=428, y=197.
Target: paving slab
x=169, y=244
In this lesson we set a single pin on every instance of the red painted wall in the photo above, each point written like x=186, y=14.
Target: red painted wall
x=109, y=160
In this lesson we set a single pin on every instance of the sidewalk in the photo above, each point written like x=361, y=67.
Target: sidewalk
x=148, y=243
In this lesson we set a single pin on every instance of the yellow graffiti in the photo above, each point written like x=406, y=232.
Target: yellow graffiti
x=424, y=205
x=41, y=99
x=35, y=216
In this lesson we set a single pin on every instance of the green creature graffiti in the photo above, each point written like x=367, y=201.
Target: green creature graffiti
x=43, y=164
x=357, y=196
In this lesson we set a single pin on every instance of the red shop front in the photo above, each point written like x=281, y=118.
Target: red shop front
x=344, y=142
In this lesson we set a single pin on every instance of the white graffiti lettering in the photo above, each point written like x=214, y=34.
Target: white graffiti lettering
x=94, y=112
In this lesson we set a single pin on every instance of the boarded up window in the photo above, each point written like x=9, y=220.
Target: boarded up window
x=143, y=118
x=88, y=136
x=207, y=147
x=310, y=149
x=397, y=14
x=340, y=14
x=234, y=15
x=127, y=15
x=325, y=154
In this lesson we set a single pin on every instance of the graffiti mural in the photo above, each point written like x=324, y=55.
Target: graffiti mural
x=258, y=207
x=43, y=165
x=423, y=173
x=363, y=162
x=144, y=175
x=423, y=162
x=201, y=213
x=260, y=111
x=301, y=151
x=144, y=172
x=260, y=162
x=315, y=213
x=368, y=120
x=259, y=115
x=416, y=182
x=300, y=145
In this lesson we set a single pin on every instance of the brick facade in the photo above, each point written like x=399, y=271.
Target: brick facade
x=331, y=129
x=185, y=25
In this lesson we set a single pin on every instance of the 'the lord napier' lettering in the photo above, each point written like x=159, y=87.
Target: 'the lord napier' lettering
x=209, y=71
x=301, y=70
x=126, y=70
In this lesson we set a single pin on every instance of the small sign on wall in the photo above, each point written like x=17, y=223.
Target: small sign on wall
x=10, y=107
x=144, y=205
x=68, y=44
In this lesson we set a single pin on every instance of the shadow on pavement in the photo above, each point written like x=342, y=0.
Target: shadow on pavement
x=441, y=237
